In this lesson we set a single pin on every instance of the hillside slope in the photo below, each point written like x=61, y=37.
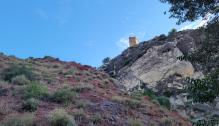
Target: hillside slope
x=47, y=91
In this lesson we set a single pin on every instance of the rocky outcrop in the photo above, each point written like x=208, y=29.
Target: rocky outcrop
x=159, y=62
x=155, y=65
x=155, y=60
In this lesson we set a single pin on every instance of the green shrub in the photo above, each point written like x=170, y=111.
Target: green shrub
x=154, y=101
x=127, y=62
x=96, y=119
x=56, y=66
x=168, y=93
x=35, y=90
x=166, y=122
x=172, y=31
x=20, y=80
x=79, y=115
x=117, y=99
x=135, y=122
x=151, y=124
x=59, y=117
x=150, y=94
x=83, y=87
x=15, y=70
x=3, y=91
x=164, y=101
x=6, y=108
x=63, y=95
x=70, y=72
x=106, y=60
x=137, y=95
x=31, y=104
x=78, y=79
x=82, y=103
x=132, y=103
x=162, y=37
x=21, y=120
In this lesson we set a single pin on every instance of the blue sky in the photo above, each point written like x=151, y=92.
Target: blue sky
x=85, y=31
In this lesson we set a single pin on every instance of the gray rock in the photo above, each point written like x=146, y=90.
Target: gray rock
x=159, y=62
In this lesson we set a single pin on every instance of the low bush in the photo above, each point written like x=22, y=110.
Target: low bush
x=135, y=122
x=106, y=60
x=6, y=108
x=126, y=62
x=20, y=80
x=79, y=115
x=162, y=37
x=82, y=103
x=70, y=72
x=151, y=124
x=63, y=95
x=15, y=70
x=139, y=94
x=164, y=101
x=172, y=31
x=59, y=117
x=19, y=120
x=31, y=104
x=168, y=93
x=3, y=91
x=83, y=87
x=150, y=94
x=96, y=119
x=132, y=103
x=117, y=99
x=166, y=122
x=35, y=90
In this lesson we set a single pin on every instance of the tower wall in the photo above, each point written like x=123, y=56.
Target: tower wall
x=133, y=41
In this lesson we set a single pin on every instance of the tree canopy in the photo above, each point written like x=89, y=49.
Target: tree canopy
x=206, y=89
x=190, y=10
x=207, y=54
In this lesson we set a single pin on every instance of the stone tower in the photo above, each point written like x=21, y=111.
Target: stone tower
x=133, y=41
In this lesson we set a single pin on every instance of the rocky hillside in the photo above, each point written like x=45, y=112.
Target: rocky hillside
x=49, y=92
x=154, y=60
x=154, y=65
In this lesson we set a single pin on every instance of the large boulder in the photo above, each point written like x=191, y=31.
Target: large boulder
x=158, y=63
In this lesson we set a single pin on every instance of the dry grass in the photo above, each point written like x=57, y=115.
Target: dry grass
x=83, y=87
x=132, y=103
x=18, y=120
x=135, y=122
x=5, y=108
x=167, y=122
x=59, y=117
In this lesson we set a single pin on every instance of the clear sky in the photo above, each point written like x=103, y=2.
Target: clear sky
x=84, y=31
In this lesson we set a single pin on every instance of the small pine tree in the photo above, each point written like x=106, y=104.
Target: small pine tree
x=106, y=60
x=172, y=31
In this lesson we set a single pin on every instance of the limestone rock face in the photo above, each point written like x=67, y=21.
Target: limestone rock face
x=159, y=62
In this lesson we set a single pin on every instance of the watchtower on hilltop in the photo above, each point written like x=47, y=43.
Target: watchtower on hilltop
x=133, y=41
